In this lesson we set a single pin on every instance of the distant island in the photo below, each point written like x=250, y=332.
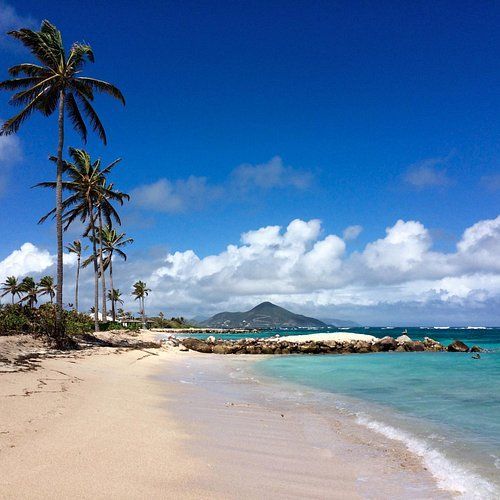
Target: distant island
x=265, y=315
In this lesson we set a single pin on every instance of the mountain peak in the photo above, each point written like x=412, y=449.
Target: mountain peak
x=264, y=315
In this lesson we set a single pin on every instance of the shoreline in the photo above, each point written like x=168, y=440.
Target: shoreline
x=156, y=423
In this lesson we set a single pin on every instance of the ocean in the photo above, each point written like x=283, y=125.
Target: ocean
x=445, y=407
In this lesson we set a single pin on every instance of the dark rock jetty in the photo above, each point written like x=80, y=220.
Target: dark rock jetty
x=275, y=346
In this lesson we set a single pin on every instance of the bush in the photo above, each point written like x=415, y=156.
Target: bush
x=14, y=319
x=42, y=321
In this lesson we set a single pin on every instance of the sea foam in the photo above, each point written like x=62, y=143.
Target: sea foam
x=449, y=475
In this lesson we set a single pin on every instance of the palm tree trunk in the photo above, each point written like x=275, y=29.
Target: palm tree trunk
x=143, y=313
x=77, y=278
x=103, y=275
x=96, y=272
x=113, y=313
x=59, y=228
x=12, y=299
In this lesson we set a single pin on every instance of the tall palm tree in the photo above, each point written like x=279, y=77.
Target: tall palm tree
x=115, y=297
x=56, y=83
x=141, y=291
x=11, y=285
x=46, y=286
x=30, y=290
x=88, y=190
x=76, y=248
x=113, y=242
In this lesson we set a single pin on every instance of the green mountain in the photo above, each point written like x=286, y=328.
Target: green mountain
x=265, y=315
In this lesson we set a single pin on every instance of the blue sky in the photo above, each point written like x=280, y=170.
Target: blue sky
x=371, y=113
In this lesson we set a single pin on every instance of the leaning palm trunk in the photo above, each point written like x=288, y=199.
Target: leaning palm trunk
x=96, y=271
x=101, y=266
x=59, y=225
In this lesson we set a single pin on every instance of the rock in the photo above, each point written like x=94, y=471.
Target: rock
x=197, y=345
x=219, y=349
x=432, y=345
x=387, y=344
x=402, y=339
x=267, y=350
x=458, y=346
x=309, y=348
x=476, y=348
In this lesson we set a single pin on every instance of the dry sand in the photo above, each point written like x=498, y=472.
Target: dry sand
x=158, y=424
x=92, y=426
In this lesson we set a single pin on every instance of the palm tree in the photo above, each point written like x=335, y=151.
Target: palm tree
x=88, y=190
x=115, y=297
x=56, y=83
x=103, y=210
x=30, y=290
x=141, y=292
x=46, y=286
x=76, y=248
x=113, y=242
x=11, y=285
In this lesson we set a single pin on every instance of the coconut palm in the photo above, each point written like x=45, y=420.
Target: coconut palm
x=76, y=248
x=30, y=290
x=141, y=291
x=46, y=286
x=115, y=297
x=11, y=285
x=56, y=83
x=88, y=190
x=113, y=242
x=103, y=211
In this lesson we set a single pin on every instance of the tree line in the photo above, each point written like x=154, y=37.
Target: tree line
x=55, y=84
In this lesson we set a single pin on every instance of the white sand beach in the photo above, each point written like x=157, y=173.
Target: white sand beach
x=171, y=424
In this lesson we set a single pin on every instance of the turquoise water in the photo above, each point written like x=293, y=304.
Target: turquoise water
x=443, y=406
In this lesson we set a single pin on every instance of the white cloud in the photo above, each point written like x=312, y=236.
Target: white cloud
x=10, y=154
x=269, y=175
x=428, y=173
x=27, y=259
x=352, y=232
x=195, y=193
x=398, y=278
x=299, y=267
x=177, y=196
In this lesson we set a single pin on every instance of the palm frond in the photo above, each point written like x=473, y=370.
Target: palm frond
x=76, y=117
x=104, y=87
x=93, y=118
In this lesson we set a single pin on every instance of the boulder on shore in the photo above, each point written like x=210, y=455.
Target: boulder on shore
x=458, y=346
x=403, y=339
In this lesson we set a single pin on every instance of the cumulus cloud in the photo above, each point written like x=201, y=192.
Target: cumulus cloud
x=270, y=175
x=27, y=259
x=399, y=276
x=352, y=232
x=177, y=196
x=428, y=173
x=300, y=267
x=10, y=153
x=195, y=193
